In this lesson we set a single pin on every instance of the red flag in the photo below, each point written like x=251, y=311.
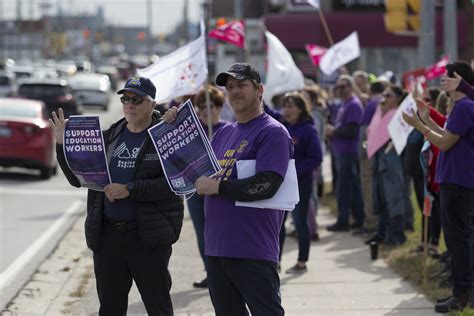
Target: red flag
x=232, y=32
x=414, y=80
x=436, y=70
x=315, y=53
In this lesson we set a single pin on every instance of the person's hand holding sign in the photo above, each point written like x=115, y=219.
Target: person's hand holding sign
x=59, y=124
x=412, y=119
x=116, y=191
x=207, y=186
x=170, y=115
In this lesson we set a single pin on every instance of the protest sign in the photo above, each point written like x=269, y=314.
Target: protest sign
x=285, y=198
x=377, y=132
x=184, y=150
x=398, y=128
x=85, y=151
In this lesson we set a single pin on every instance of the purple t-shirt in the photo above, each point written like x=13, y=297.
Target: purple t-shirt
x=245, y=232
x=455, y=164
x=350, y=111
x=369, y=110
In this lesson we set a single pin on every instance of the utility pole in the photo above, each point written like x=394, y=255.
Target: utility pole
x=206, y=6
x=32, y=10
x=426, y=39
x=18, y=10
x=149, y=37
x=450, y=29
x=239, y=14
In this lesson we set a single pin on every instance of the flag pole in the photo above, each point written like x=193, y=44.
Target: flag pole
x=207, y=16
x=328, y=33
x=425, y=249
x=325, y=27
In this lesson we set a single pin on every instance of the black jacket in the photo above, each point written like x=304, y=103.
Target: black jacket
x=159, y=210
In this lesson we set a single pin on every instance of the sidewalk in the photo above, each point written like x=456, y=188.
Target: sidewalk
x=341, y=280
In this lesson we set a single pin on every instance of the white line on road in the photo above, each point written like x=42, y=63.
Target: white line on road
x=44, y=192
x=15, y=268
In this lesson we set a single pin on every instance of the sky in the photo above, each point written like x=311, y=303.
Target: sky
x=166, y=13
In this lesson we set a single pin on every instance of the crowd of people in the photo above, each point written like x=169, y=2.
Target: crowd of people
x=132, y=225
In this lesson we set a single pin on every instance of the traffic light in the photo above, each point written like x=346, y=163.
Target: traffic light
x=402, y=15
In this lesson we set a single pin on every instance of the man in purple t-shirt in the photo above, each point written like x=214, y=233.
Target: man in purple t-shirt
x=242, y=243
x=455, y=174
x=345, y=145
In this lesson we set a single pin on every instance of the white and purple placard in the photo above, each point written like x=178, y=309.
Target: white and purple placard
x=85, y=151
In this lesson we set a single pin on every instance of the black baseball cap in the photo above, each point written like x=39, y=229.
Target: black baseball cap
x=239, y=71
x=141, y=86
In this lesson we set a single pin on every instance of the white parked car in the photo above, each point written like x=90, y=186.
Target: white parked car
x=91, y=89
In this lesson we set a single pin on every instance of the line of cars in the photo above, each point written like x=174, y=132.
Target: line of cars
x=27, y=100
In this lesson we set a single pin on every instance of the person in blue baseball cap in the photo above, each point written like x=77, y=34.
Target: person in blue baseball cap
x=132, y=224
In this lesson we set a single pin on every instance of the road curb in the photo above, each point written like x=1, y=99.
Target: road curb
x=60, y=257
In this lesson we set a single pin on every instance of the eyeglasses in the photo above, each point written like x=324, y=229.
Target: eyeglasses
x=134, y=100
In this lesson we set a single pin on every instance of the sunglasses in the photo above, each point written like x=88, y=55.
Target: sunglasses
x=134, y=100
x=388, y=95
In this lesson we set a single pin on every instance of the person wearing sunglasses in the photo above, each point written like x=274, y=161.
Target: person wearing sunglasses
x=344, y=136
x=131, y=226
x=388, y=181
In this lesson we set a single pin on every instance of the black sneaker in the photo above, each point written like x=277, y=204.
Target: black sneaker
x=444, y=299
x=297, y=269
x=452, y=304
x=202, y=285
x=338, y=228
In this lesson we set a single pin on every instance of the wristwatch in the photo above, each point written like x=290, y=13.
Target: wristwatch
x=130, y=186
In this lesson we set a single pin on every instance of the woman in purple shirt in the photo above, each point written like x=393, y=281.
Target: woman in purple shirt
x=308, y=156
x=455, y=174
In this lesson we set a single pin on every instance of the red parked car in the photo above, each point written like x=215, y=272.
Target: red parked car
x=26, y=136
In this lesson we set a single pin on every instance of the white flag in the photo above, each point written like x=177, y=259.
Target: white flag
x=181, y=72
x=314, y=3
x=283, y=75
x=398, y=128
x=340, y=54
